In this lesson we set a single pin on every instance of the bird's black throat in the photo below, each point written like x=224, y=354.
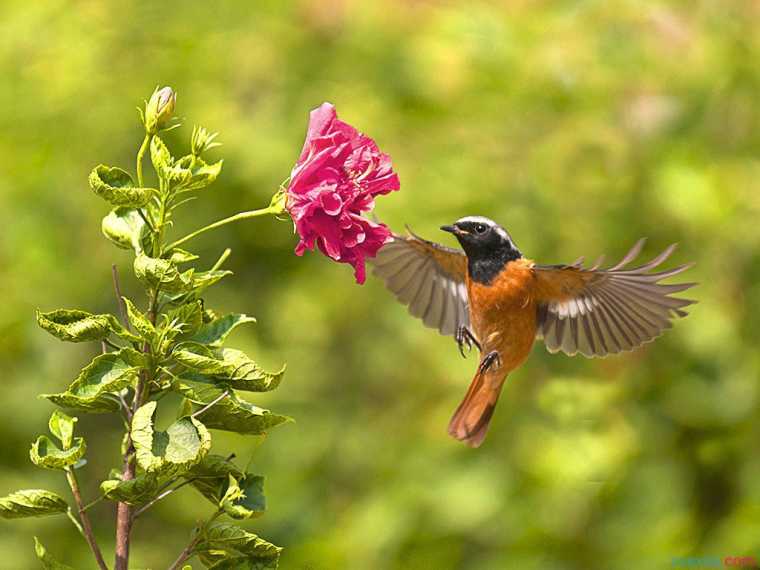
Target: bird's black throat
x=485, y=263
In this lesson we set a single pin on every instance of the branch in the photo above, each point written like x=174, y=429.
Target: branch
x=160, y=496
x=188, y=551
x=84, y=519
x=124, y=516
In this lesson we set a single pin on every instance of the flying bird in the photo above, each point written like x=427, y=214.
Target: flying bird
x=494, y=298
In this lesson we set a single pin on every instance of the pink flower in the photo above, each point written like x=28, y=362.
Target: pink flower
x=336, y=179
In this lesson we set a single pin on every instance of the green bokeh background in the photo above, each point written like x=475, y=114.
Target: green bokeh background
x=579, y=125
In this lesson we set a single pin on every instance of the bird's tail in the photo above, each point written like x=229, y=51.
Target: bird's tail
x=470, y=421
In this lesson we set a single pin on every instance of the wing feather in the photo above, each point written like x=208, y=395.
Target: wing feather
x=428, y=278
x=605, y=311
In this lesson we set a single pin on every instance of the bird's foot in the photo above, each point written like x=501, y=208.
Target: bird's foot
x=489, y=360
x=465, y=338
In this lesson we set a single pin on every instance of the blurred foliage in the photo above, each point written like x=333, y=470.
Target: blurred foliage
x=579, y=125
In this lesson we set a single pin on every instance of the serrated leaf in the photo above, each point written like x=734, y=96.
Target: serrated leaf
x=187, y=173
x=139, y=322
x=182, y=445
x=62, y=426
x=230, y=413
x=48, y=562
x=244, y=499
x=185, y=320
x=178, y=255
x=126, y=228
x=227, y=546
x=185, y=408
x=44, y=453
x=211, y=476
x=202, y=174
x=160, y=156
x=122, y=332
x=229, y=365
x=73, y=325
x=116, y=186
x=136, y=491
x=31, y=503
x=95, y=389
x=205, y=279
x=216, y=332
x=162, y=272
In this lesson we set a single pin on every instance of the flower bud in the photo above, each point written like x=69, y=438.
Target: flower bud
x=159, y=109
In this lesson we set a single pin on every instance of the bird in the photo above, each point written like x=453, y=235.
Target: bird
x=489, y=295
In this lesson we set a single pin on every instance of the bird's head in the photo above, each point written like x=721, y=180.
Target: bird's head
x=479, y=235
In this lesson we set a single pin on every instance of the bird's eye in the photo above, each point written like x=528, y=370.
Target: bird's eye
x=480, y=228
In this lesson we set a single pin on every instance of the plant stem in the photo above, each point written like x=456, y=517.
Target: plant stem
x=75, y=521
x=222, y=258
x=188, y=551
x=84, y=519
x=225, y=221
x=93, y=503
x=119, y=298
x=160, y=496
x=140, y=154
x=124, y=517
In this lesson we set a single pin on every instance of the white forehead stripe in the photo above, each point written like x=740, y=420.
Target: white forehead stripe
x=489, y=222
x=478, y=219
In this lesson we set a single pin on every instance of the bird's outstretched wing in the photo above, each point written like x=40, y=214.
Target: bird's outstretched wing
x=604, y=311
x=428, y=278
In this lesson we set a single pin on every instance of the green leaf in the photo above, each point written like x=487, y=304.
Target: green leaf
x=201, y=174
x=136, y=491
x=230, y=365
x=231, y=413
x=162, y=272
x=122, y=332
x=31, y=503
x=185, y=408
x=211, y=476
x=186, y=319
x=75, y=326
x=185, y=174
x=139, y=321
x=215, y=332
x=177, y=256
x=126, y=228
x=116, y=186
x=205, y=279
x=44, y=453
x=181, y=446
x=244, y=499
x=160, y=156
x=96, y=388
x=48, y=562
x=62, y=427
x=227, y=546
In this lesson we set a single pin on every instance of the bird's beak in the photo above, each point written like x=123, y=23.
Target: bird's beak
x=453, y=230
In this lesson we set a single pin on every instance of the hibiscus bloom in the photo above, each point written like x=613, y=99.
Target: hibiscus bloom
x=335, y=181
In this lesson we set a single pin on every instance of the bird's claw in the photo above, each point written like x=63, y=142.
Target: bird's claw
x=465, y=338
x=488, y=361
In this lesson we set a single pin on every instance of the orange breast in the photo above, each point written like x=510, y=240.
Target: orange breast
x=503, y=313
